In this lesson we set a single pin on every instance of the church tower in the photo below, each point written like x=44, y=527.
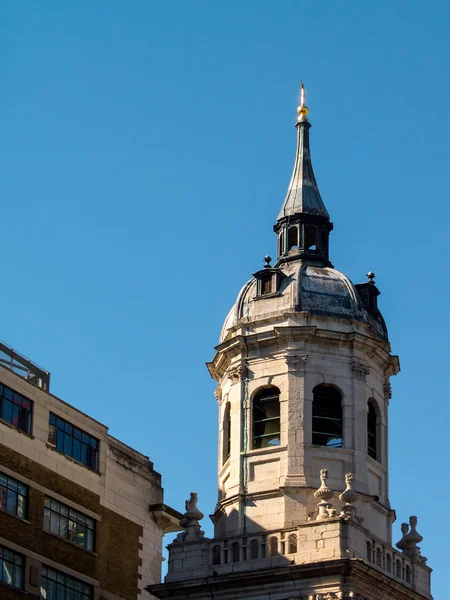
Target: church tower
x=303, y=370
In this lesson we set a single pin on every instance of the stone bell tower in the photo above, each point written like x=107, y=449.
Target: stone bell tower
x=303, y=369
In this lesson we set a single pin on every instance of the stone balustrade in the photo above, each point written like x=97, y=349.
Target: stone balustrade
x=307, y=543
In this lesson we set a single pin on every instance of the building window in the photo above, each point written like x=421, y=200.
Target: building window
x=59, y=586
x=69, y=524
x=226, y=433
x=11, y=567
x=372, y=430
x=293, y=238
x=310, y=237
x=292, y=543
x=13, y=496
x=266, y=418
x=327, y=417
x=15, y=409
x=73, y=442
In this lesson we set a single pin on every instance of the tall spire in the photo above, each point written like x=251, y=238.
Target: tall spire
x=303, y=195
x=303, y=223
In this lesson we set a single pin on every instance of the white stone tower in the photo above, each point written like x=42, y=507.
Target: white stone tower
x=303, y=368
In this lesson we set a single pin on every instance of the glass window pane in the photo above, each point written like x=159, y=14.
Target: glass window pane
x=54, y=523
x=7, y=411
x=21, y=506
x=11, y=503
x=68, y=444
x=8, y=393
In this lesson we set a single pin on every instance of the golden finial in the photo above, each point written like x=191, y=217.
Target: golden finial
x=302, y=110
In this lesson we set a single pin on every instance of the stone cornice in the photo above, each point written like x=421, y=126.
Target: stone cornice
x=355, y=576
x=374, y=349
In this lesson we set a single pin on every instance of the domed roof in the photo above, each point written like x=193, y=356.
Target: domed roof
x=316, y=290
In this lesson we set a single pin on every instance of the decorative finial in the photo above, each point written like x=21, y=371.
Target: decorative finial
x=267, y=260
x=323, y=494
x=302, y=110
x=371, y=276
x=190, y=521
x=348, y=496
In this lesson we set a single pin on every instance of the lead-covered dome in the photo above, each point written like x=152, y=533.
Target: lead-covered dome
x=304, y=288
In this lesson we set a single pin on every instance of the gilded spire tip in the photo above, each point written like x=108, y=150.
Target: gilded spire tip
x=302, y=110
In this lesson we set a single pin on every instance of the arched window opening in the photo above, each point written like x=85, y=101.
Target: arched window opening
x=379, y=557
x=293, y=238
x=281, y=243
x=369, y=551
x=292, y=544
x=235, y=551
x=398, y=568
x=372, y=431
x=310, y=238
x=216, y=555
x=226, y=433
x=388, y=563
x=408, y=574
x=327, y=417
x=273, y=545
x=254, y=549
x=266, y=418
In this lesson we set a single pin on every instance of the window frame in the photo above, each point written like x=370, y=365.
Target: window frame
x=262, y=395
x=64, y=515
x=62, y=579
x=373, y=433
x=7, y=488
x=20, y=565
x=332, y=419
x=16, y=400
x=63, y=435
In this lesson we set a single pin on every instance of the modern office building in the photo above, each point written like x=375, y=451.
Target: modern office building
x=303, y=369
x=81, y=514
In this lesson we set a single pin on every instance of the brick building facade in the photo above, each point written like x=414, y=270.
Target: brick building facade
x=81, y=514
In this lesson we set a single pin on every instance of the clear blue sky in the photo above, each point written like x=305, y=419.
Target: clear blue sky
x=146, y=149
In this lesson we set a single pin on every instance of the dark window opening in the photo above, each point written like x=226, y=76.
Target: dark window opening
x=372, y=425
x=310, y=237
x=69, y=524
x=281, y=244
x=388, y=563
x=13, y=496
x=327, y=417
x=254, y=549
x=266, y=418
x=266, y=284
x=15, y=409
x=235, y=551
x=273, y=545
x=59, y=586
x=398, y=568
x=293, y=238
x=369, y=550
x=408, y=574
x=73, y=442
x=292, y=543
x=226, y=433
x=216, y=555
x=11, y=568
x=378, y=557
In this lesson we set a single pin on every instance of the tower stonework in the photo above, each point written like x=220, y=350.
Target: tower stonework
x=303, y=373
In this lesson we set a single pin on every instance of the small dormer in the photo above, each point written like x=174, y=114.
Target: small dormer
x=268, y=280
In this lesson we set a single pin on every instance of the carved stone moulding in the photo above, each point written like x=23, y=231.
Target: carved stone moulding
x=387, y=389
x=296, y=362
x=360, y=370
x=237, y=373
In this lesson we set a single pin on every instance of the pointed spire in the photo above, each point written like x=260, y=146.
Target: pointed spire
x=303, y=223
x=303, y=195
